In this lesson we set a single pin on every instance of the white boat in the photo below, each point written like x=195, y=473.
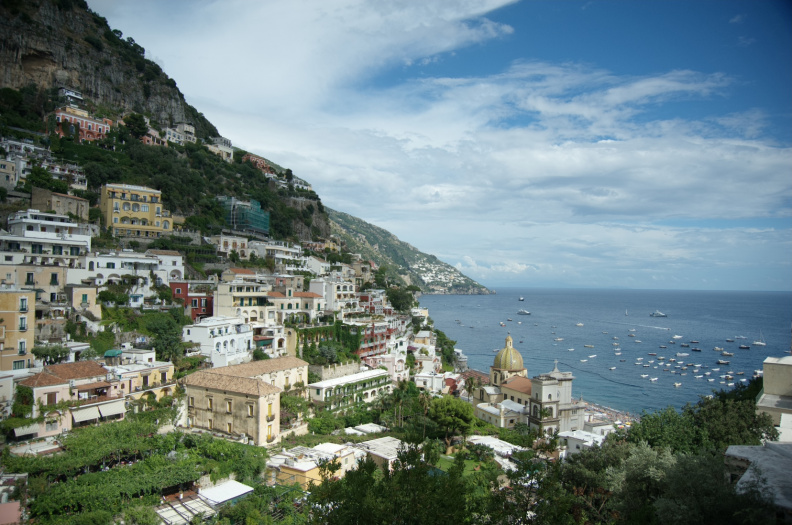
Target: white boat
x=588, y=346
x=584, y=360
x=644, y=375
x=761, y=341
x=677, y=337
x=558, y=339
x=592, y=356
x=523, y=312
x=612, y=368
x=571, y=349
x=653, y=379
x=579, y=324
x=521, y=298
x=677, y=385
x=658, y=313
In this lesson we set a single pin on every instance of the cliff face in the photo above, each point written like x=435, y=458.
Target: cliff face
x=63, y=44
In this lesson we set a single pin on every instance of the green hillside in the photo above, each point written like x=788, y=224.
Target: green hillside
x=402, y=259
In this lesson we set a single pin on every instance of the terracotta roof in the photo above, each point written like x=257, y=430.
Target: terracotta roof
x=310, y=295
x=78, y=370
x=276, y=295
x=242, y=271
x=518, y=384
x=42, y=379
x=265, y=366
x=163, y=252
x=241, y=385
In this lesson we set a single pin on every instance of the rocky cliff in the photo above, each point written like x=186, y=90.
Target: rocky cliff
x=63, y=44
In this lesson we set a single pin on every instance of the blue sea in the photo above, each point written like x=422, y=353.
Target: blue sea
x=609, y=317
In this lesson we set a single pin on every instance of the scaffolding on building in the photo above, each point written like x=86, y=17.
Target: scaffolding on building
x=245, y=216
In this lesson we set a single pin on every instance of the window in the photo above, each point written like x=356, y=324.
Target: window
x=211, y=424
x=57, y=250
x=144, y=207
x=19, y=365
x=22, y=325
x=195, y=303
x=191, y=401
x=115, y=220
x=210, y=403
x=84, y=298
x=111, y=265
x=178, y=291
x=52, y=398
x=228, y=427
x=54, y=279
x=163, y=377
x=51, y=426
x=23, y=304
x=203, y=303
x=250, y=410
x=22, y=348
x=228, y=407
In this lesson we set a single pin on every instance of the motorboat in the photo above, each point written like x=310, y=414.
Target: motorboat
x=677, y=385
x=644, y=375
x=579, y=324
x=657, y=313
x=558, y=339
x=727, y=354
x=588, y=346
x=521, y=298
x=584, y=360
x=653, y=379
x=677, y=337
x=722, y=362
x=612, y=368
x=523, y=312
x=592, y=356
x=744, y=347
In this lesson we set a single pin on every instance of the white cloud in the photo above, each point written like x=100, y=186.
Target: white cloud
x=544, y=172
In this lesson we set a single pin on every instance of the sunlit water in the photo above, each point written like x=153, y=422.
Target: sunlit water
x=707, y=317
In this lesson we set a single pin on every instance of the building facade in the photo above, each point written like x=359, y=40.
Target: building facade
x=135, y=211
x=17, y=311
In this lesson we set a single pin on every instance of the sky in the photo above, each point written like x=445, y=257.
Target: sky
x=604, y=144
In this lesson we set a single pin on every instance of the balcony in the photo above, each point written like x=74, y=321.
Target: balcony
x=270, y=439
x=23, y=308
x=270, y=418
x=23, y=328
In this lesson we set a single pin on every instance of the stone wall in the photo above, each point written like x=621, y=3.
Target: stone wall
x=334, y=371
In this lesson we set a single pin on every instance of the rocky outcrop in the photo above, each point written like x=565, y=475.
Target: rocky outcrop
x=63, y=44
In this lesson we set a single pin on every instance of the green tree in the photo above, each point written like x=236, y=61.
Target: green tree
x=51, y=355
x=400, y=299
x=452, y=415
x=136, y=124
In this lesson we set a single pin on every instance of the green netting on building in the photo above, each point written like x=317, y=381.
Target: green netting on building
x=244, y=215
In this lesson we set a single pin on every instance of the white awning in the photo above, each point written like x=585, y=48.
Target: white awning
x=85, y=414
x=24, y=431
x=112, y=409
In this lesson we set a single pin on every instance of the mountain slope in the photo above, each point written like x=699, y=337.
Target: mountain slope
x=413, y=266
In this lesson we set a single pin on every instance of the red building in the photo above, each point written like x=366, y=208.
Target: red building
x=197, y=296
x=80, y=124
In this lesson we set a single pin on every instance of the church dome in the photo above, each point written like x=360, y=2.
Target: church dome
x=508, y=358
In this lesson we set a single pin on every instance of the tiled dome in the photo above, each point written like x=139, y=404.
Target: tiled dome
x=508, y=358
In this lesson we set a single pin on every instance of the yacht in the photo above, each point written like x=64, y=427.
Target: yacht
x=760, y=341
x=523, y=312
x=677, y=385
x=658, y=313
x=521, y=298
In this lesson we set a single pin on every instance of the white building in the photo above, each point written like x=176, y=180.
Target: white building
x=244, y=300
x=576, y=441
x=344, y=392
x=224, y=340
x=36, y=237
x=126, y=266
x=228, y=243
x=339, y=295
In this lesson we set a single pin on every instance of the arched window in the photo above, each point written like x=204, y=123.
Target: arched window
x=165, y=225
x=549, y=396
x=217, y=346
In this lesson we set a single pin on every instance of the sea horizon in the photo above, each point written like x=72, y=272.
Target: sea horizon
x=585, y=328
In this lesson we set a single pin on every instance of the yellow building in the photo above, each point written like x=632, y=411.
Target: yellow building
x=17, y=313
x=135, y=211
